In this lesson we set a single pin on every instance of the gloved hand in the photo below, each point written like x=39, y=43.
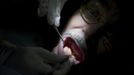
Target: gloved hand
x=51, y=8
x=37, y=61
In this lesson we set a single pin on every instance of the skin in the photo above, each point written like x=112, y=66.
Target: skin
x=77, y=22
x=76, y=26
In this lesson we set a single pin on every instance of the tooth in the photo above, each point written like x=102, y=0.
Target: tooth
x=67, y=51
x=72, y=59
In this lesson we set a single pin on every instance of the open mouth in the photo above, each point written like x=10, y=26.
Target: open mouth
x=76, y=51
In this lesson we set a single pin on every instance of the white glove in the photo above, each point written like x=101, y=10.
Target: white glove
x=51, y=8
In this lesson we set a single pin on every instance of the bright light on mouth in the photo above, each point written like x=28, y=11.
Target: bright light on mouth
x=74, y=37
x=73, y=46
x=73, y=49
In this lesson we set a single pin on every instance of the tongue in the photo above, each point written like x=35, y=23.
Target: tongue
x=76, y=50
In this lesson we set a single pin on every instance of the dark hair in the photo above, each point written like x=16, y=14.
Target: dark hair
x=100, y=11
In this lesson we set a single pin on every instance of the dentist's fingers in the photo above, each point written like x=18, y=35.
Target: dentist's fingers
x=64, y=69
x=47, y=56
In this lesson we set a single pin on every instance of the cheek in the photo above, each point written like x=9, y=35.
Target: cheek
x=59, y=48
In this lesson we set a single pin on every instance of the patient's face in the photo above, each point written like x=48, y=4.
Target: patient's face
x=74, y=40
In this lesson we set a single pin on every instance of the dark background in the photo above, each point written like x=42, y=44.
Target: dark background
x=21, y=16
x=19, y=19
